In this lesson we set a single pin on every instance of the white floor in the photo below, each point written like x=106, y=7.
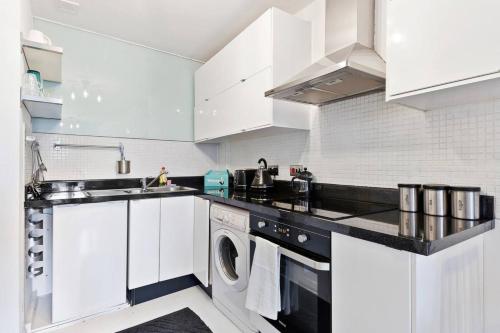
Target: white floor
x=194, y=298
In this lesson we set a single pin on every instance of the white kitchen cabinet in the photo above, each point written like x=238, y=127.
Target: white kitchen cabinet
x=201, y=240
x=448, y=292
x=370, y=282
x=230, y=87
x=143, y=242
x=442, y=53
x=246, y=54
x=89, y=259
x=176, y=237
x=400, y=292
x=491, y=278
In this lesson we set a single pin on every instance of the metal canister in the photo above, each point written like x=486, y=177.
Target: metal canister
x=436, y=199
x=408, y=197
x=465, y=202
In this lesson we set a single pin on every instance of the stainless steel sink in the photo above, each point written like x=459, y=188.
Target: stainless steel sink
x=66, y=195
x=133, y=191
x=170, y=189
x=113, y=192
x=106, y=193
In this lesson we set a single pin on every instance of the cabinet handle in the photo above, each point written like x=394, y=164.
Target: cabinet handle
x=206, y=99
x=243, y=80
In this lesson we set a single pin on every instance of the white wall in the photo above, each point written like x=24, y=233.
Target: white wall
x=146, y=156
x=365, y=141
x=14, y=17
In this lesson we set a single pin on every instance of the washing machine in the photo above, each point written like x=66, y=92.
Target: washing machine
x=230, y=263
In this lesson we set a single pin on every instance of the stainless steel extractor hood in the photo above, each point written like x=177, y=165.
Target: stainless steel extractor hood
x=351, y=66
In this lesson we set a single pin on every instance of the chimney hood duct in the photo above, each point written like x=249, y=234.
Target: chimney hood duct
x=351, y=66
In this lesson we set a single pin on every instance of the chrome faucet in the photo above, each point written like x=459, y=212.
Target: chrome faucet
x=146, y=185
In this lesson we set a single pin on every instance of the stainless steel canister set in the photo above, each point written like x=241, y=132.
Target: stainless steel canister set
x=437, y=201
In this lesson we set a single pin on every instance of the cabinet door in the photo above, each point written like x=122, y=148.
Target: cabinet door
x=246, y=54
x=143, y=242
x=176, y=237
x=89, y=259
x=244, y=107
x=201, y=243
x=372, y=282
x=432, y=42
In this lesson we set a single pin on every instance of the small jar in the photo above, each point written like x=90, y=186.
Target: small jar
x=436, y=199
x=465, y=202
x=408, y=197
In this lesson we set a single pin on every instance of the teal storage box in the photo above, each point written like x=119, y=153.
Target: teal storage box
x=217, y=179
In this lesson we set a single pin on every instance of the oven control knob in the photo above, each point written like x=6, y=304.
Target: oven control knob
x=302, y=238
x=261, y=224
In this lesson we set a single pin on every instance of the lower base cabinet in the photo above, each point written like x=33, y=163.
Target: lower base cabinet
x=371, y=287
x=382, y=290
x=168, y=238
x=89, y=259
x=201, y=240
x=176, y=237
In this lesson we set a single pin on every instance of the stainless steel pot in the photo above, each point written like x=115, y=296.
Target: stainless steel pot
x=465, y=202
x=408, y=197
x=123, y=167
x=262, y=179
x=436, y=199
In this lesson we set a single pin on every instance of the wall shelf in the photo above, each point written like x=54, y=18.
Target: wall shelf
x=43, y=107
x=46, y=59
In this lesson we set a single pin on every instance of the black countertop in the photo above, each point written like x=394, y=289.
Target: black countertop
x=104, y=184
x=380, y=223
x=370, y=214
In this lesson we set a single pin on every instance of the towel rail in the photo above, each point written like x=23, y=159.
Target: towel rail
x=72, y=145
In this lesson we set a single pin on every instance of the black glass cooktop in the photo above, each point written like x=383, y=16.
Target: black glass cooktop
x=330, y=208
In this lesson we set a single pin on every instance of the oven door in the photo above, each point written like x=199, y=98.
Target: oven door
x=305, y=293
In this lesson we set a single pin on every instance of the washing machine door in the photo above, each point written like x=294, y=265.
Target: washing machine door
x=230, y=259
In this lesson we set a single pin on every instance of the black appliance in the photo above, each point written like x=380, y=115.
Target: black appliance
x=243, y=179
x=305, y=274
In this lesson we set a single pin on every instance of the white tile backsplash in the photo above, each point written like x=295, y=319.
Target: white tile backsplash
x=361, y=141
x=146, y=156
x=366, y=141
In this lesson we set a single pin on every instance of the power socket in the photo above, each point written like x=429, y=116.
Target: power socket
x=295, y=168
x=273, y=170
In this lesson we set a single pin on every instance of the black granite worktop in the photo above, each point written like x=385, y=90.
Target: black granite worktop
x=366, y=213
x=105, y=184
x=342, y=209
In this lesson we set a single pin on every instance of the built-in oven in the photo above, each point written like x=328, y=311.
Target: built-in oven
x=305, y=277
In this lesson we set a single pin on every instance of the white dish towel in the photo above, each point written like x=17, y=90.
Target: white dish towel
x=263, y=292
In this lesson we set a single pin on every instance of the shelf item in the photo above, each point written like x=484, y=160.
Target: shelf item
x=46, y=59
x=43, y=107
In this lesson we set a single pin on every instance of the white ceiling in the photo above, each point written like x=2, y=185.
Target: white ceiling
x=195, y=29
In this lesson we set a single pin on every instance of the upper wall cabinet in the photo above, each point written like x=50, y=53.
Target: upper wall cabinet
x=229, y=88
x=442, y=53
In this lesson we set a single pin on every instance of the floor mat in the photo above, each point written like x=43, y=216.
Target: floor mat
x=182, y=321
